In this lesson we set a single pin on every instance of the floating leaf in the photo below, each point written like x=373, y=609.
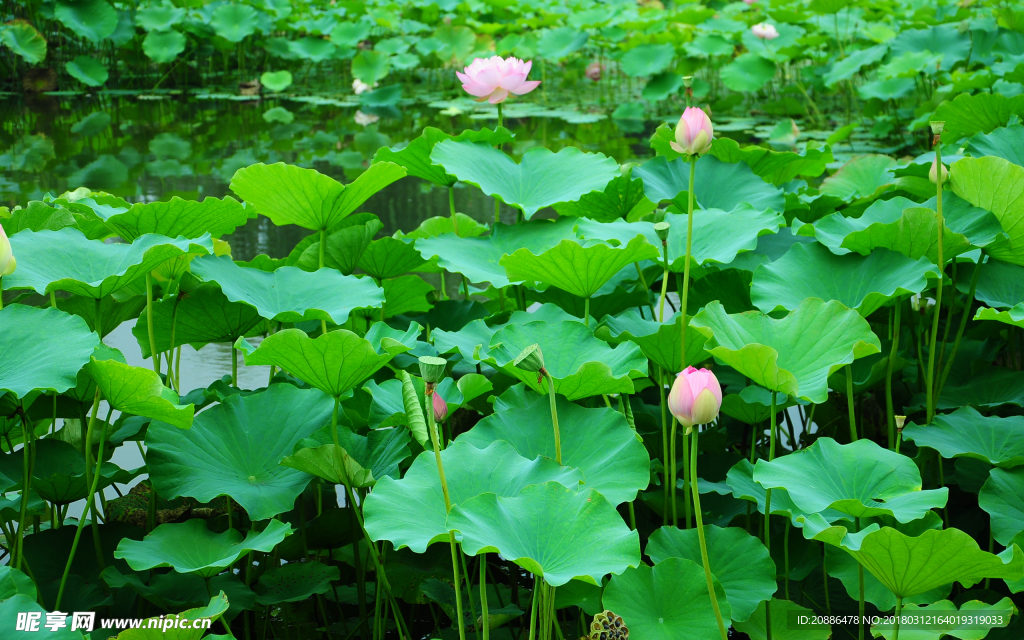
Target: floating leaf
x=276, y=80
x=234, y=22
x=668, y=601
x=599, y=442
x=189, y=547
x=93, y=20
x=235, y=448
x=42, y=349
x=163, y=46
x=88, y=71
x=532, y=529
x=794, y=355
x=469, y=472
x=540, y=179
x=23, y=39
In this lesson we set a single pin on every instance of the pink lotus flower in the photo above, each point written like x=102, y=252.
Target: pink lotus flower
x=7, y=261
x=492, y=79
x=749, y=1
x=695, y=397
x=440, y=408
x=764, y=31
x=594, y=71
x=693, y=133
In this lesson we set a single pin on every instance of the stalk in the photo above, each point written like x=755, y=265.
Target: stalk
x=860, y=597
x=323, y=248
x=700, y=537
x=554, y=415
x=889, y=412
x=484, y=613
x=930, y=391
x=149, y=322
x=963, y=324
x=849, y=403
x=664, y=447
x=768, y=510
x=451, y=205
x=171, y=377
x=26, y=484
x=896, y=623
x=673, y=456
x=686, y=266
x=533, y=607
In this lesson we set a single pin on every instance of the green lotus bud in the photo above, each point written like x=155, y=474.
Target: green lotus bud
x=661, y=229
x=530, y=359
x=432, y=369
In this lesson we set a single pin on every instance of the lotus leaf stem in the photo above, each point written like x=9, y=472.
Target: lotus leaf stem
x=700, y=537
x=469, y=589
x=485, y=614
x=451, y=205
x=930, y=380
x=963, y=324
x=26, y=483
x=323, y=249
x=772, y=427
x=535, y=597
x=149, y=322
x=554, y=415
x=893, y=353
x=686, y=266
x=665, y=473
x=849, y=403
x=896, y=620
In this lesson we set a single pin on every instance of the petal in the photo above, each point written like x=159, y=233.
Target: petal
x=511, y=81
x=477, y=90
x=526, y=87
x=499, y=95
x=488, y=78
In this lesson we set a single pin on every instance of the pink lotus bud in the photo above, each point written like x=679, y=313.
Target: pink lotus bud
x=696, y=397
x=594, y=70
x=933, y=173
x=749, y=2
x=693, y=133
x=492, y=79
x=764, y=31
x=440, y=407
x=7, y=261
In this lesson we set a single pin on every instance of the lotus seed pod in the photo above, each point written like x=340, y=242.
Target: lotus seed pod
x=937, y=126
x=530, y=359
x=432, y=369
x=661, y=229
x=900, y=421
x=608, y=626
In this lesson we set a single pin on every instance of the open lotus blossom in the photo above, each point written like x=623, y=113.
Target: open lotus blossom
x=933, y=173
x=693, y=133
x=764, y=31
x=7, y=261
x=365, y=119
x=594, y=71
x=440, y=408
x=358, y=86
x=492, y=79
x=695, y=397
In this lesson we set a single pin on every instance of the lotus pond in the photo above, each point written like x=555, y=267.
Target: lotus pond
x=319, y=321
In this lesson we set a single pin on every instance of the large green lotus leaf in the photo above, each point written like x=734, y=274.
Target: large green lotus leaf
x=999, y=285
x=575, y=268
x=969, y=114
x=390, y=257
x=622, y=199
x=738, y=560
x=93, y=20
x=20, y=604
x=552, y=531
x=860, y=478
x=783, y=612
x=295, y=582
x=1013, y=316
x=1002, y=497
x=290, y=294
x=668, y=601
x=234, y=22
x=471, y=340
x=42, y=349
x=599, y=442
x=967, y=433
x=862, y=177
x=845, y=568
x=87, y=70
x=997, y=185
x=23, y=39
x=13, y=582
x=158, y=17
x=66, y=260
x=189, y=547
x=1005, y=142
x=345, y=245
x=138, y=391
x=411, y=512
x=540, y=180
x=776, y=167
x=217, y=607
x=292, y=195
x=752, y=405
x=175, y=217
x=113, y=313
x=205, y=315
x=740, y=479
x=235, y=448
x=360, y=460
x=863, y=283
x=659, y=341
x=947, y=625
x=580, y=364
x=909, y=565
x=718, y=237
x=795, y=354
x=669, y=180
x=988, y=388
x=749, y=72
x=478, y=258
x=415, y=156
x=58, y=473
x=404, y=295
x=163, y=46
x=902, y=225
x=333, y=362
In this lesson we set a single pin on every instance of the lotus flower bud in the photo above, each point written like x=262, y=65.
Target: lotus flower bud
x=432, y=369
x=900, y=421
x=594, y=71
x=933, y=173
x=661, y=229
x=693, y=133
x=695, y=397
x=530, y=359
x=7, y=261
x=359, y=87
x=492, y=79
x=764, y=31
x=440, y=408
x=365, y=119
